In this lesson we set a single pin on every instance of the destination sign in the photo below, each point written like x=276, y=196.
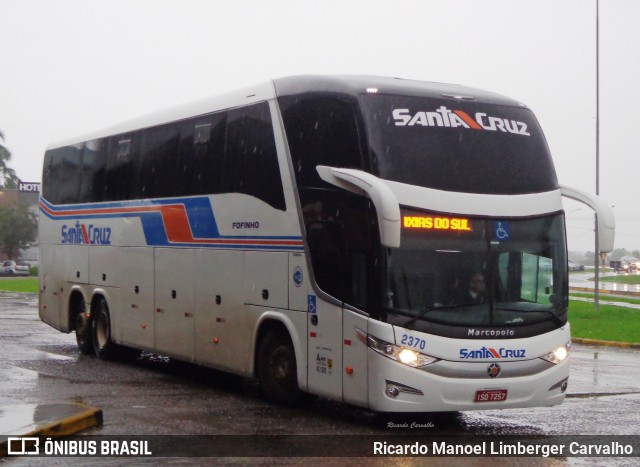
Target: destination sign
x=437, y=223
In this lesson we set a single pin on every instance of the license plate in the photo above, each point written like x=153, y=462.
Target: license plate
x=491, y=395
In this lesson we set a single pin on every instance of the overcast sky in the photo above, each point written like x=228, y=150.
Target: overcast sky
x=73, y=66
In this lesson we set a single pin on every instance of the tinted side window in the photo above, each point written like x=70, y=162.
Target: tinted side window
x=61, y=171
x=50, y=174
x=340, y=234
x=160, y=172
x=230, y=151
x=93, y=171
x=202, y=150
x=251, y=163
x=123, y=158
x=321, y=130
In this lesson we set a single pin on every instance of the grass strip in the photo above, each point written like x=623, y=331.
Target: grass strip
x=19, y=284
x=610, y=323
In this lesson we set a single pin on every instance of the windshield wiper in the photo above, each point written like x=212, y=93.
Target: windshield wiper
x=518, y=310
x=427, y=309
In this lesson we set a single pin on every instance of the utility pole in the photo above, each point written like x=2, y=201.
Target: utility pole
x=596, y=258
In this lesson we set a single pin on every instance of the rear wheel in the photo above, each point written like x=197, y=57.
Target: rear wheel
x=277, y=370
x=103, y=346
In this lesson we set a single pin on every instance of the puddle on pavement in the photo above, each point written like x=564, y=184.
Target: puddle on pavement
x=20, y=419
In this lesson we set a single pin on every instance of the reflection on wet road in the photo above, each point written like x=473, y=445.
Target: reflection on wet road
x=585, y=280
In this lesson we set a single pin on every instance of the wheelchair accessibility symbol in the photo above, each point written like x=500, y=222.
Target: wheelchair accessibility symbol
x=311, y=304
x=501, y=230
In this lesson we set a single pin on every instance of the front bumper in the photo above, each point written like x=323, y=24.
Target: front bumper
x=394, y=387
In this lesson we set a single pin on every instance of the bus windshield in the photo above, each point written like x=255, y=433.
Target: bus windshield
x=456, y=145
x=468, y=271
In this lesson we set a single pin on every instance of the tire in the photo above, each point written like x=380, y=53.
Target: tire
x=83, y=329
x=103, y=346
x=277, y=370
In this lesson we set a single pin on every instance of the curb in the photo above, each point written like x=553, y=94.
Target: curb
x=88, y=417
x=605, y=291
x=624, y=345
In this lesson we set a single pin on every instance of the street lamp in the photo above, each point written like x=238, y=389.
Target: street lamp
x=596, y=296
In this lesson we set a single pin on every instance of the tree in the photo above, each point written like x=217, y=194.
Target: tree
x=588, y=258
x=18, y=227
x=8, y=177
x=619, y=253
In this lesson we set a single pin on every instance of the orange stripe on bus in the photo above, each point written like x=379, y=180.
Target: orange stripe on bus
x=467, y=119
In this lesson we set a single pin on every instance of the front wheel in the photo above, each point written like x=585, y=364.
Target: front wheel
x=277, y=370
x=103, y=346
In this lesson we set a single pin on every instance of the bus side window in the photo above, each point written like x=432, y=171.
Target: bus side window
x=122, y=166
x=159, y=170
x=93, y=171
x=321, y=131
x=251, y=161
x=51, y=175
x=202, y=144
x=338, y=236
x=67, y=163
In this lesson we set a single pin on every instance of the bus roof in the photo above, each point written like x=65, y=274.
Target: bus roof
x=358, y=84
x=302, y=84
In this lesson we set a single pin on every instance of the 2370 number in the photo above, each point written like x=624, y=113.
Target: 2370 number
x=412, y=341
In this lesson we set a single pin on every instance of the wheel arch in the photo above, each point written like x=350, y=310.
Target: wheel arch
x=278, y=321
x=76, y=304
x=99, y=294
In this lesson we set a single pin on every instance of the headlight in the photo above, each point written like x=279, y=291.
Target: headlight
x=558, y=355
x=400, y=354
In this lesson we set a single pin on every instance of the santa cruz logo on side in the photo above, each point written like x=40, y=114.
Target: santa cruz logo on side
x=488, y=352
x=443, y=117
x=82, y=234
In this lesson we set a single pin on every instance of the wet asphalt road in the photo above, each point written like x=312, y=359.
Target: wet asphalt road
x=156, y=396
x=585, y=279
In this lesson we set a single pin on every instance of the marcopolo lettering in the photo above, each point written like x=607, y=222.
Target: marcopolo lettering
x=488, y=352
x=82, y=234
x=443, y=117
x=490, y=332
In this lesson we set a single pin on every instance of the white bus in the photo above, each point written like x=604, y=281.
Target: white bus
x=394, y=244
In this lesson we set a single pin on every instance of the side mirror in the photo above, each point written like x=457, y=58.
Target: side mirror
x=606, y=219
x=383, y=198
